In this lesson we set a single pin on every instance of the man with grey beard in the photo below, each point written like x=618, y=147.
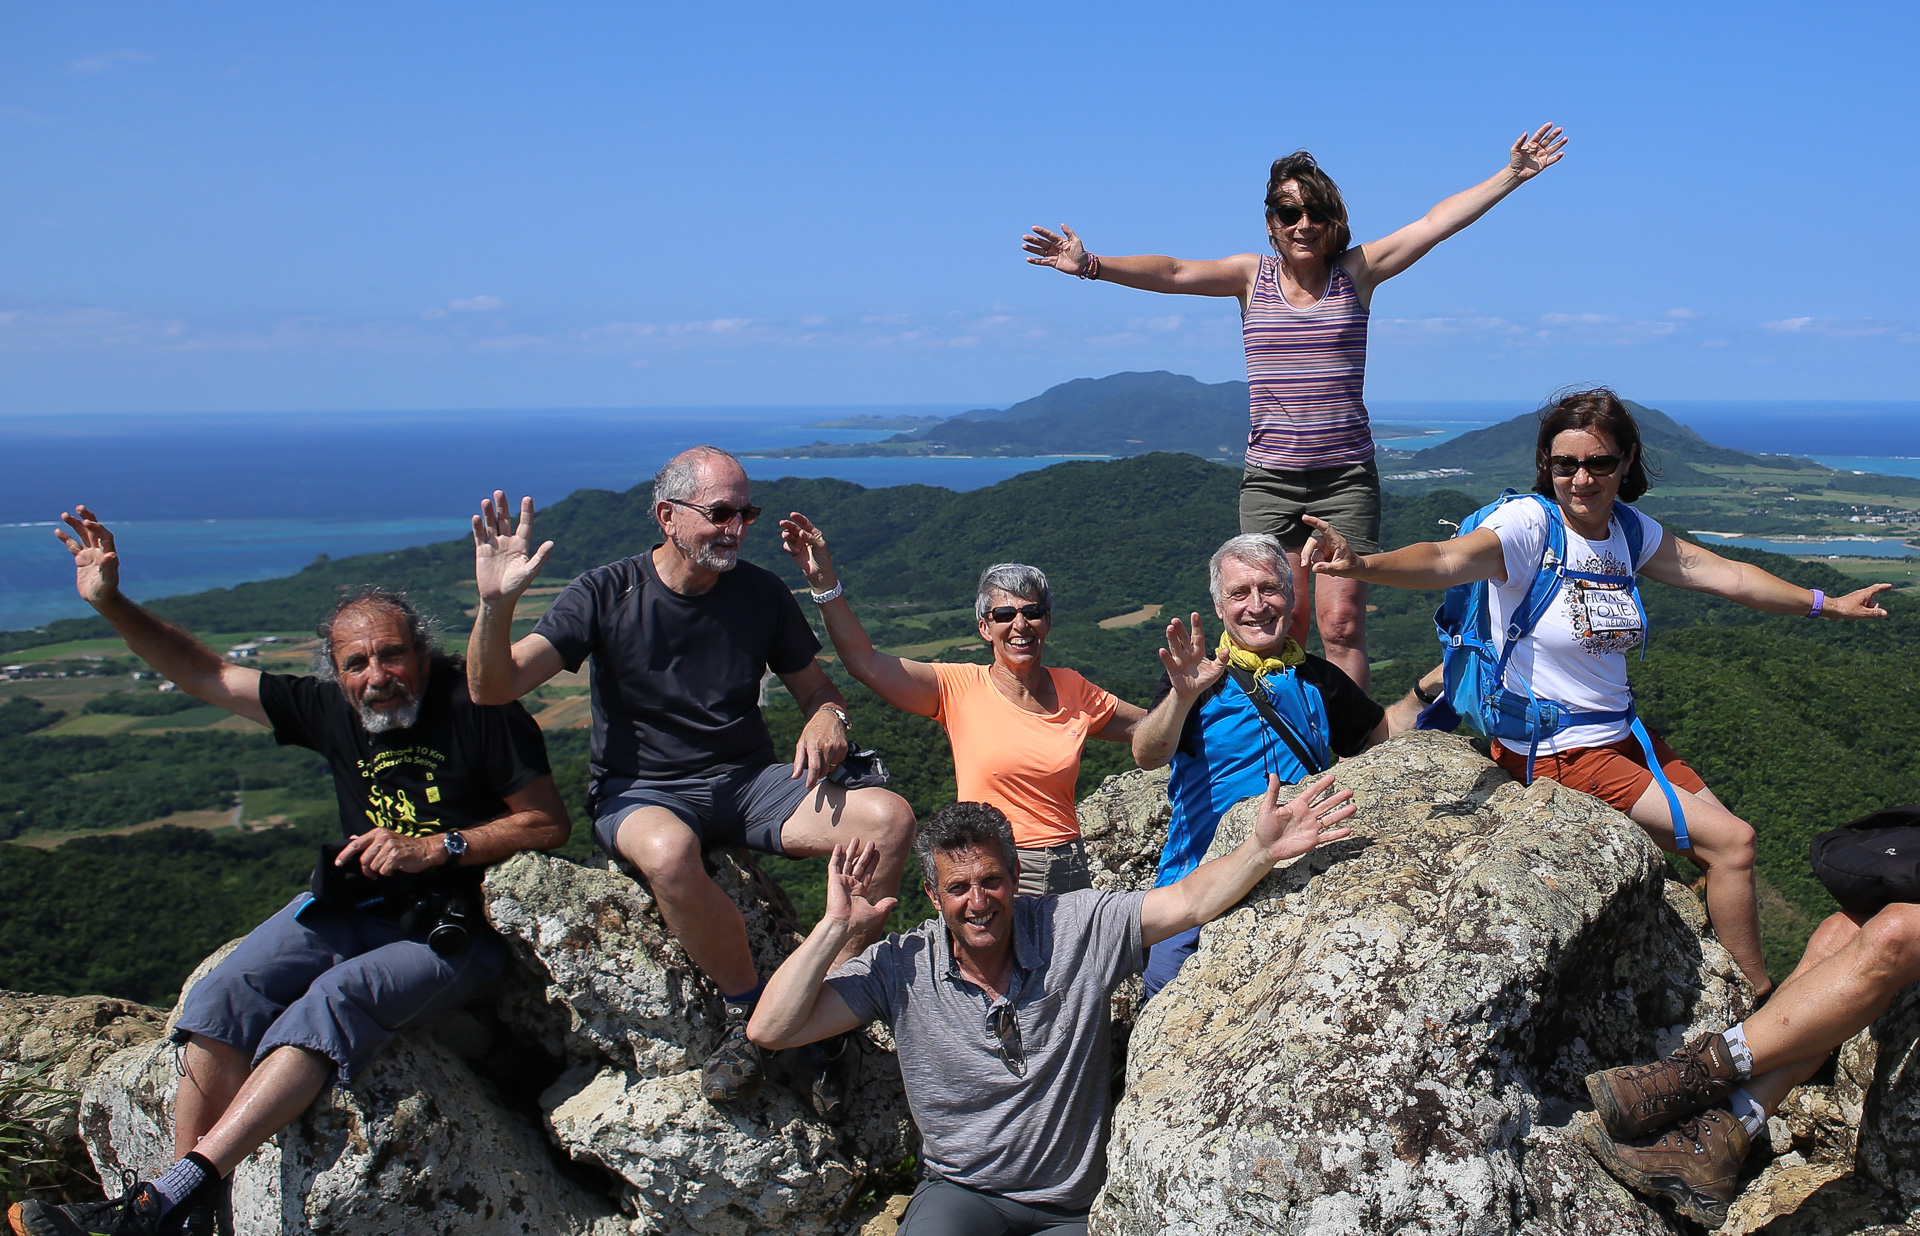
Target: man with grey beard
x=680, y=639
x=432, y=789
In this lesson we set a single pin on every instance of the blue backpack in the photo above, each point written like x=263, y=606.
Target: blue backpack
x=1475, y=685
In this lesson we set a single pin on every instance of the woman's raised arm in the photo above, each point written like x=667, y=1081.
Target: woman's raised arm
x=1430, y=564
x=1232, y=276
x=1697, y=568
x=910, y=686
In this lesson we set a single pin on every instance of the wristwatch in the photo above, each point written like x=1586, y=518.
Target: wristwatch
x=1423, y=697
x=846, y=722
x=456, y=844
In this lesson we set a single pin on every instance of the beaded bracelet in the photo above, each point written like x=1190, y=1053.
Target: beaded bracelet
x=1091, y=270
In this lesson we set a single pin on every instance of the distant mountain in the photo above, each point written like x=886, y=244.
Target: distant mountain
x=1122, y=414
x=1502, y=455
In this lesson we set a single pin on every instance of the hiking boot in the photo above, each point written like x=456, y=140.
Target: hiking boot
x=207, y=1211
x=736, y=1068
x=136, y=1212
x=825, y=1077
x=1695, y=1164
x=1635, y=1100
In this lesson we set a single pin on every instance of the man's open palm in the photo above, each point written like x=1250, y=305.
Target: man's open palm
x=504, y=560
x=849, y=881
x=1308, y=821
x=96, y=565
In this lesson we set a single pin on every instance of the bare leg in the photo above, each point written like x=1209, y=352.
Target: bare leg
x=831, y=816
x=1302, y=618
x=1340, y=609
x=272, y=1098
x=1723, y=844
x=211, y=1074
x=704, y=919
x=1831, y=1000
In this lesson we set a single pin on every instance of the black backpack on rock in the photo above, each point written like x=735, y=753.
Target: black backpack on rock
x=1871, y=862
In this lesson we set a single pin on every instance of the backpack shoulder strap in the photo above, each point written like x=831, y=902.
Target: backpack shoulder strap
x=1546, y=577
x=1275, y=722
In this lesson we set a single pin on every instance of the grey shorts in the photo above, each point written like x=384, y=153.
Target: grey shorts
x=745, y=807
x=942, y=1208
x=1055, y=870
x=339, y=984
x=1348, y=497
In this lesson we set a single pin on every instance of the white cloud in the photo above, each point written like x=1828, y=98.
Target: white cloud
x=1578, y=319
x=1787, y=324
x=1686, y=315
x=100, y=62
x=1835, y=328
x=477, y=304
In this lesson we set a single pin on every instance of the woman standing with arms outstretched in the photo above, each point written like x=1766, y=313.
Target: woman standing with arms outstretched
x=1303, y=312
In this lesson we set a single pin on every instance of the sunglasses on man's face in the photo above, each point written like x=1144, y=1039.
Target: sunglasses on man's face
x=1596, y=465
x=721, y=515
x=1005, y=613
x=1289, y=213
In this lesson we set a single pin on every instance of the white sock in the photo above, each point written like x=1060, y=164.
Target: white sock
x=1748, y=1109
x=1742, y=1054
x=181, y=1179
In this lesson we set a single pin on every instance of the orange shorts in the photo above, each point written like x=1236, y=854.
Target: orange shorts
x=1616, y=774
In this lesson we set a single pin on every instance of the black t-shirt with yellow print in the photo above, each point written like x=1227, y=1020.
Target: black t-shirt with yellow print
x=451, y=770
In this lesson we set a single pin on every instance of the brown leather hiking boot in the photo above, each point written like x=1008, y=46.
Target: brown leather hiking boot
x=1695, y=1164
x=1635, y=1100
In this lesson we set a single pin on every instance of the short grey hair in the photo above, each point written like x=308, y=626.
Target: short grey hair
x=680, y=479
x=1016, y=579
x=1256, y=549
x=420, y=627
x=965, y=826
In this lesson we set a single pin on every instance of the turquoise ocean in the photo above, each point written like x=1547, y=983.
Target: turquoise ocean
x=214, y=500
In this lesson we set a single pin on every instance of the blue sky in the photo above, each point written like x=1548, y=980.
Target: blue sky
x=356, y=206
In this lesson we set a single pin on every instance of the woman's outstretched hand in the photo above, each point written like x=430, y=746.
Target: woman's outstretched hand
x=1862, y=604
x=807, y=546
x=1064, y=252
x=1535, y=152
x=1326, y=551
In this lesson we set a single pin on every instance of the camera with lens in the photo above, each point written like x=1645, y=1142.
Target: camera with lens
x=446, y=916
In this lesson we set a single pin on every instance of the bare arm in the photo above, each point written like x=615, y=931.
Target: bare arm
x=1686, y=565
x=1404, y=712
x=1232, y=276
x=199, y=670
x=823, y=739
x=1192, y=673
x=1378, y=261
x=1278, y=834
x=910, y=686
x=1122, y=725
x=797, y=1006
x=1430, y=564
x=499, y=670
x=536, y=820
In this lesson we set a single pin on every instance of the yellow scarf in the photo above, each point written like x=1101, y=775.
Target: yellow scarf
x=1291, y=655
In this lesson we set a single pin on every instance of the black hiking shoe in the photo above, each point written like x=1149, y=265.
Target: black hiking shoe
x=736, y=1068
x=823, y=1071
x=207, y=1211
x=135, y=1212
x=1640, y=1098
x=1695, y=1164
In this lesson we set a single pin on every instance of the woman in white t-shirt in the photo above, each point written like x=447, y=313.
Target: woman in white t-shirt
x=1588, y=454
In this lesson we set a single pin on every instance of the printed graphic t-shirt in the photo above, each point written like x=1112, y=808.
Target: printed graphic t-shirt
x=451, y=770
x=1577, y=655
x=1021, y=762
x=676, y=679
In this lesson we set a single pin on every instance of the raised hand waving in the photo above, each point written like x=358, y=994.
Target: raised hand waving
x=1190, y=668
x=96, y=565
x=1535, y=152
x=504, y=562
x=1063, y=252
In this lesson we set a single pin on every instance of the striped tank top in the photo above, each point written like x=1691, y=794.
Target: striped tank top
x=1305, y=371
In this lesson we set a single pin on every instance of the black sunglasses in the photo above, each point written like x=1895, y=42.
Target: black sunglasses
x=1289, y=214
x=721, y=515
x=1596, y=465
x=1005, y=613
x=1006, y=1028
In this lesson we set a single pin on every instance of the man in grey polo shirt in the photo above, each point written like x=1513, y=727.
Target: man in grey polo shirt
x=999, y=1006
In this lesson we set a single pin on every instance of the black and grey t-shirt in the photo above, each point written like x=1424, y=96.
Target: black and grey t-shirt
x=676, y=679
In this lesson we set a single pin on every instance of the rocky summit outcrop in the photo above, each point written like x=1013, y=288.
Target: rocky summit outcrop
x=1389, y=1035
x=639, y=1021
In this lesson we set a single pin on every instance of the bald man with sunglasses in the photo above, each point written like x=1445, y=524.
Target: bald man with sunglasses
x=680, y=639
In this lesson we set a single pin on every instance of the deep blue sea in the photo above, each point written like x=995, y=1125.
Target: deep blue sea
x=214, y=500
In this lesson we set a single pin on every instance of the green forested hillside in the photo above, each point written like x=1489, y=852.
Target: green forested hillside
x=1797, y=725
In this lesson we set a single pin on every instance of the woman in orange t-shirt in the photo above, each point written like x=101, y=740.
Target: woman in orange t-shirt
x=1016, y=727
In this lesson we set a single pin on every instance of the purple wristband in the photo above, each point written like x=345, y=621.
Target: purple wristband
x=1819, y=603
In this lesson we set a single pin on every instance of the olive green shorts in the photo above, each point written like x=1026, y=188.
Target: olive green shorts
x=1347, y=496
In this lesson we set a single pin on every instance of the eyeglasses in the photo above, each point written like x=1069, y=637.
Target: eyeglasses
x=1006, y=1028
x=1596, y=465
x=1005, y=613
x=1289, y=213
x=721, y=514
